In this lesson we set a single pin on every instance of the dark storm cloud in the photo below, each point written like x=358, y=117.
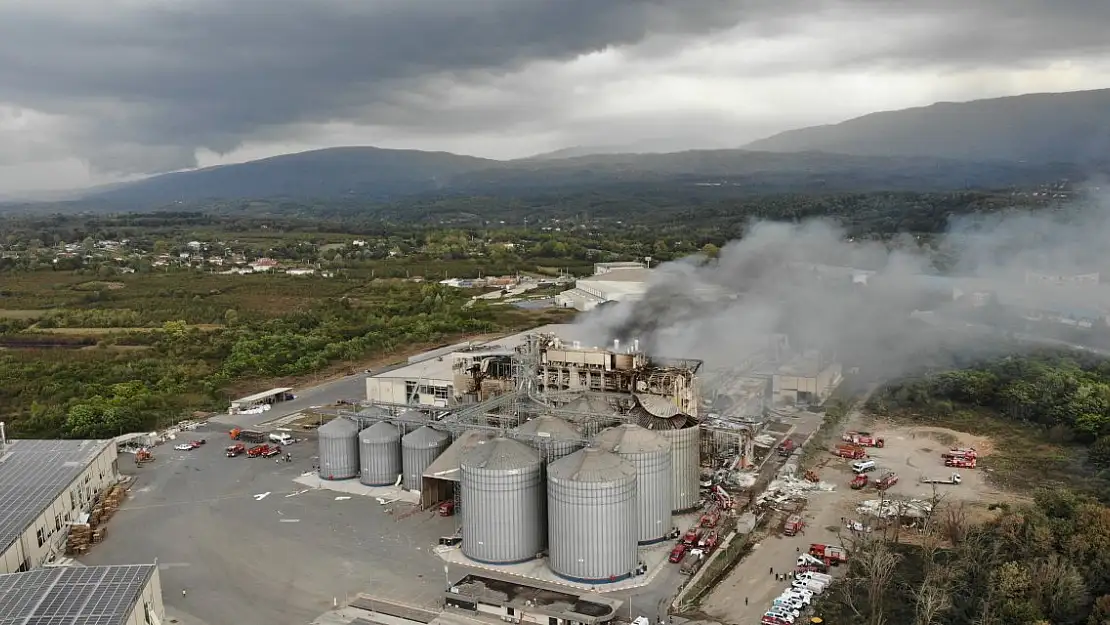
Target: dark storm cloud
x=201, y=73
x=139, y=85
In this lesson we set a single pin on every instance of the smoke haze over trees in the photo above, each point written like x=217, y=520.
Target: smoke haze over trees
x=798, y=279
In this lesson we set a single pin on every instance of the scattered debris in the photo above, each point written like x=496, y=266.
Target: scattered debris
x=342, y=498
x=261, y=496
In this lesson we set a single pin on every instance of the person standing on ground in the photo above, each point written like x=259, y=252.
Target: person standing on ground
x=182, y=592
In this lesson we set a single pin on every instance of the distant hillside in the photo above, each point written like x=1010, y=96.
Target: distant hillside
x=337, y=172
x=1041, y=128
x=376, y=174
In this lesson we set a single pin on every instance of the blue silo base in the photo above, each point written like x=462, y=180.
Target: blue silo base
x=653, y=541
x=499, y=562
x=382, y=485
x=336, y=479
x=585, y=580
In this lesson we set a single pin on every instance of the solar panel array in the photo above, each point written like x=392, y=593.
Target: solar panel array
x=33, y=474
x=94, y=595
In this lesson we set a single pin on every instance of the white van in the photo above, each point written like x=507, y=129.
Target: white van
x=863, y=466
x=281, y=438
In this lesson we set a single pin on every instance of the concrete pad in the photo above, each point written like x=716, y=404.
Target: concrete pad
x=654, y=557
x=354, y=487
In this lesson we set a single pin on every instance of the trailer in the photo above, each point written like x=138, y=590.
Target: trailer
x=952, y=479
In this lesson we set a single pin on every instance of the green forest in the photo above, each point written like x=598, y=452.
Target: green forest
x=1045, y=563
x=126, y=361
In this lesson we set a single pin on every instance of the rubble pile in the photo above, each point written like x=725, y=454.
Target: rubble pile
x=889, y=508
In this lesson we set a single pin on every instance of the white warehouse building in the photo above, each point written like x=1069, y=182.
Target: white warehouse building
x=90, y=595
x=612, y=285
x=44, y=486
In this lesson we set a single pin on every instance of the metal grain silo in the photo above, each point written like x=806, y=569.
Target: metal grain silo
x=685, y=437
x=685, y=466
x=379, y=451
x=410, y=420
x=419, y=449
x=503, y=502
x=651, y=455
x=551, y=436
x=592, y=517
x=338, y=449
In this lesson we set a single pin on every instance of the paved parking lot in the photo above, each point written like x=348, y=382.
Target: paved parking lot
x=251, y=546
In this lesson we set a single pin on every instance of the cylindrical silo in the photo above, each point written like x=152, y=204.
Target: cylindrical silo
x=338, y=449
x=503, y=499
x=379, y=450
x=551, y=436
x=419, y=449
x=651, y=455
x=592, y=517
x=685, y=466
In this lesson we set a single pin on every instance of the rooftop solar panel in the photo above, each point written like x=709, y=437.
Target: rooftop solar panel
x=33, y=474
x=95, y=595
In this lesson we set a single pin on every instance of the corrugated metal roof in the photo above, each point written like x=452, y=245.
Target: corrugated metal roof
x=631, y=439
x=33, y=473
x=85, y=595
x=550, y=426
x=424, y=436
x=380, y=432
x=500, y=454
x=591, y=465
x=338, y=427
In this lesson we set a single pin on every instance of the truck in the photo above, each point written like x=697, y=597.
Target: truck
x=711, y=517
x=237, y=449
x=447, y=508
x=282, y=438
x=847, y=450
x=960, y=452
x=952, y=479
x=831, y=555
x=811, y=585
x=863, y=439
x=821, y=577
x=860, y=481
x=792, y=525
x=709, y=542
x=890, y=478
x=678, y=553
x=692, y=536
x=691, y=561
x=960, y=463
x=258, y=451
x=787, y=447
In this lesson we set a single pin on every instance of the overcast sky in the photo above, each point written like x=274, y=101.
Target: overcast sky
x=91, y=91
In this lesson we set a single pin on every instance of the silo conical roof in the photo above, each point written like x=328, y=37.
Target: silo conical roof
x=425, y=436
x=550, y=426
x=631, y=439
x=381, y=432
x=338, y=427
x=500, y=454
x=592, y=465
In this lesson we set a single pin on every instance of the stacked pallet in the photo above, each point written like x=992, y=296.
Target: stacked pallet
x=77, y=543
x=98, y=534
x=110, y=503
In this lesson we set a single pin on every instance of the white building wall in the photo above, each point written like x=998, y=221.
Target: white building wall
x=152, y=597
x=47, y=534
x=394, y=391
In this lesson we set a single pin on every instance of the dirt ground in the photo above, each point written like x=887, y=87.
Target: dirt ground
x=911, y=452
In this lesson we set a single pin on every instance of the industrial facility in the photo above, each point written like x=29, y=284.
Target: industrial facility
x=92, y=595
x=547, y=451
x=45, y=487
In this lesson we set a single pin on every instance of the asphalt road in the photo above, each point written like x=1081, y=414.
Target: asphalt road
x=351, y=387
x=250, y=547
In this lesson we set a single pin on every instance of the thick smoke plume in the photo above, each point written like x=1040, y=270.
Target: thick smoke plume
x=882, y=306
